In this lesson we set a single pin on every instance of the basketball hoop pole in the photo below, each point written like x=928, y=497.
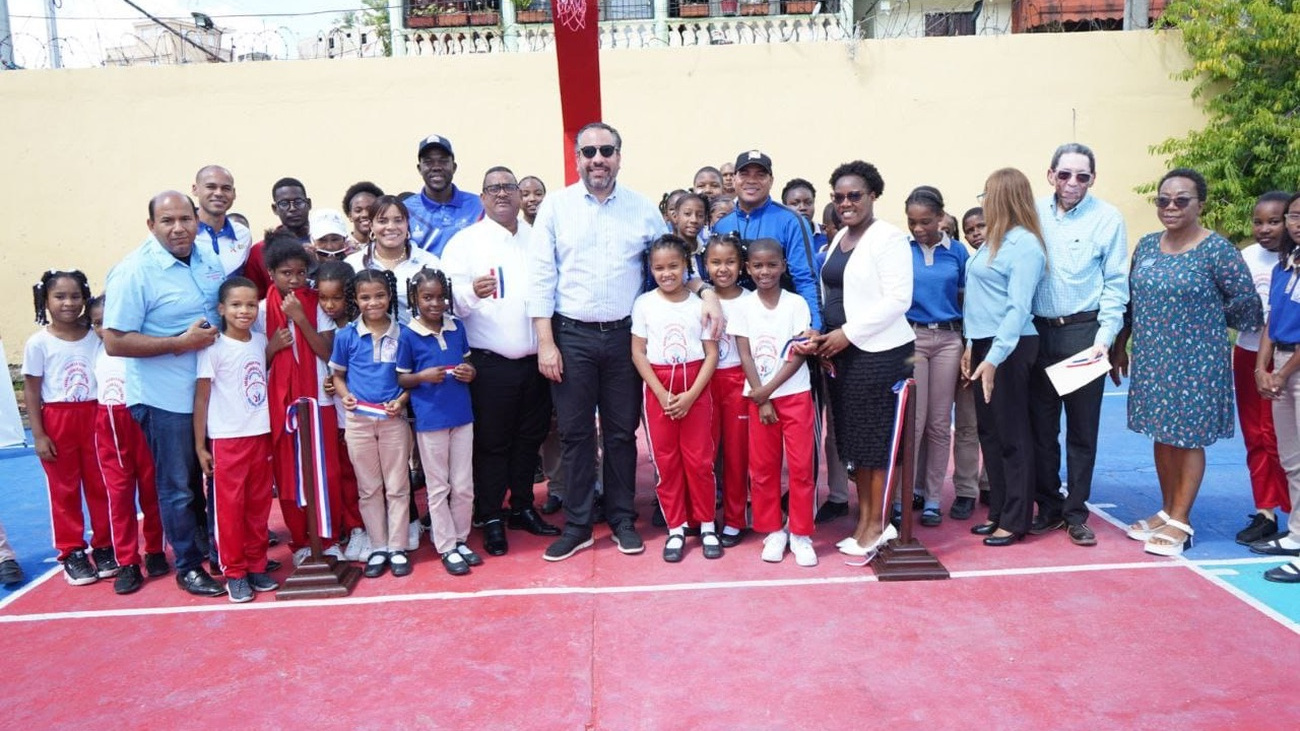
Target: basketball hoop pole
x=577, y=60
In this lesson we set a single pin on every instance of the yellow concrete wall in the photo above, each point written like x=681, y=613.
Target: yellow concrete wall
x=83, y=150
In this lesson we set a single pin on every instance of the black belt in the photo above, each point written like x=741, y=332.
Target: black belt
x=622, y=324
x=1285, y=347
x=953, y=325
x=1089, y=316
x=485, y=353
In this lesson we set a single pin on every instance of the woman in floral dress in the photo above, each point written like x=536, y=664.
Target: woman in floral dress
x=1188, y=286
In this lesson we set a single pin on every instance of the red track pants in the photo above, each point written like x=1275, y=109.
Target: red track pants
x=1267, y=479
x=74, y=472
x=241, y=486
x=126, y=467
x=731, y=433
x=683, y=449
x=793, y=431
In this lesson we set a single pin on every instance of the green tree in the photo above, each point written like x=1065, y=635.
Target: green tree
x=376, y=16
x=1246, y=64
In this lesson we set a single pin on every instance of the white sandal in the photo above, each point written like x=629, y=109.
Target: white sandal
x=1167, y=545
x=1144, y=530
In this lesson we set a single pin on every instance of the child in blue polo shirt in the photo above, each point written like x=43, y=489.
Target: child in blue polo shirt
x=364, y=365
x=431, y=363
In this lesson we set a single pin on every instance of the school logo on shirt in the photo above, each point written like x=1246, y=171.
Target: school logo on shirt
x=767, y=356
x=387, y=350
x=114, y=391
x=675, y=349
x=726, y=344
x=78, y=380
x=254, y=384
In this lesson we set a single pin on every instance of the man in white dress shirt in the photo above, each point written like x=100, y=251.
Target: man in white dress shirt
x=488, y=266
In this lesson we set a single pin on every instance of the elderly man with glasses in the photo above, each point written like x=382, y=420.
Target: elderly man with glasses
x=1079, y=305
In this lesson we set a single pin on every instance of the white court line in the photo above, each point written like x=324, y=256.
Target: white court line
x=1199, y=567
x=31, y=585
x=222, y=605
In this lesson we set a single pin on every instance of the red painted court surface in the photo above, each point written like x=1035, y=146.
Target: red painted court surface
x=1041, y=635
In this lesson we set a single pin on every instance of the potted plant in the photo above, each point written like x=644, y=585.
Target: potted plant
x=481, y=14
x=693, y=9
x=753, y=7
x=526, y=13
x=421, y=14
x=728, y=7
x=799, y=7
x=450, y=14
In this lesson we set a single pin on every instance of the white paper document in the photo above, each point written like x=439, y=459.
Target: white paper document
x=1077, y=371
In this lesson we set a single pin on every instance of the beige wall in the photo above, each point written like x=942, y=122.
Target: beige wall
x=84, y=150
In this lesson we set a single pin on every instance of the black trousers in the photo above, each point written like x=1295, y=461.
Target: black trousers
x=1005, y=434
x=1082, y=420
x=598, y=378
x=512, y=414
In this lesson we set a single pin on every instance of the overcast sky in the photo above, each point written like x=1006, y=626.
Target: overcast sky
x=87, y=27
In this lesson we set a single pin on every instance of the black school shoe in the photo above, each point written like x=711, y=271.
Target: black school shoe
x=129, y=580
x=11, y=574
x=1260, y=527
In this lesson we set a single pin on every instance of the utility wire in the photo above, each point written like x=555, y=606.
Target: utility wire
x=177, y=33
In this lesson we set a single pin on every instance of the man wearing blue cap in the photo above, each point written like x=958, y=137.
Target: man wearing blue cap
x=440, y=209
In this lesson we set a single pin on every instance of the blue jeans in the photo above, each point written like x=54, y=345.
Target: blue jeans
x=170, y=437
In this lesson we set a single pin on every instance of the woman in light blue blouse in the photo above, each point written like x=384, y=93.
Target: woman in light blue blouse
x=1001, y=346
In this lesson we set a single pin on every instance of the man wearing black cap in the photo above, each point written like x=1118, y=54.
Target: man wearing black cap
x=440, y=209
x=757, y=216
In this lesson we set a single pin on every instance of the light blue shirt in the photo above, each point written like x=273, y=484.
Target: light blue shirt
x=999, y=293
x=154, y=293
x=585, y=255
x=1088, y=250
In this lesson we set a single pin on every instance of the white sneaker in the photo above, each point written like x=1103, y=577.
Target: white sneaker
x=355, y=538
x=413, y=532
x=364, y=547
x=300, y=555
x=802, y=548
x=335, y=552
x=774, y=546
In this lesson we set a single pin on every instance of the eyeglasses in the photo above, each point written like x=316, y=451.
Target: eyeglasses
x=853, y=196
x=1180, y=202
x=332, y=255
x=1065, y=175
x=499, y=188
x=1292, y=217
x=605, y=151
x=291, y=203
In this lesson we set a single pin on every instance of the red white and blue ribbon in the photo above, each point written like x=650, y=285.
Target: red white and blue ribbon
x=787, y=350
x=895, y=446
x=500, y=274
x=314, y=461
x=376, y=411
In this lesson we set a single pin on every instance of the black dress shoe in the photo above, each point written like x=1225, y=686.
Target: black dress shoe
x=376, y=565
x=197, y=582
x=1285, y=574
x=984, y=529
x=674, y=548
x=552, y=505
x=1006, y=540
x=528, y=519
x=1044, y=524
x=711, y=549
x=729, y=540
x=830, y=510
x=494, y=538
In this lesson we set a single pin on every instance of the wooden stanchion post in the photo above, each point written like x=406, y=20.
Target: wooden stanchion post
x=905, y=558
x=319, y=577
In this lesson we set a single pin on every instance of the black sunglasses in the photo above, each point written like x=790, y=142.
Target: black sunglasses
x=853, y=196
x=605, y=151
x=1181, y=202
x=1064, y=176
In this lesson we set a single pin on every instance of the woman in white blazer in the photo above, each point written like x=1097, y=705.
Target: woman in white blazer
x=866, y=291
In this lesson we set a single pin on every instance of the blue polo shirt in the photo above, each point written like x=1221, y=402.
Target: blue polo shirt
x=938, y=274
x=443, y=405
x=433, y=223
x=369, y=362
x=1284, y=306
x=154, y=293
x=771, y=220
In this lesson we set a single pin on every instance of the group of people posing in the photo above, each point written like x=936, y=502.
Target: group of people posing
x=439, y=337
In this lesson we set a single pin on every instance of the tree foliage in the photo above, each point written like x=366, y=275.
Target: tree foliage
x=1246, y=65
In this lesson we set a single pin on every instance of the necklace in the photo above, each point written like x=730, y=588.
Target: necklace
x=391, y=262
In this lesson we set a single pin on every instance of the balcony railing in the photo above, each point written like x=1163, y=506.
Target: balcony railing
x=623, y=24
